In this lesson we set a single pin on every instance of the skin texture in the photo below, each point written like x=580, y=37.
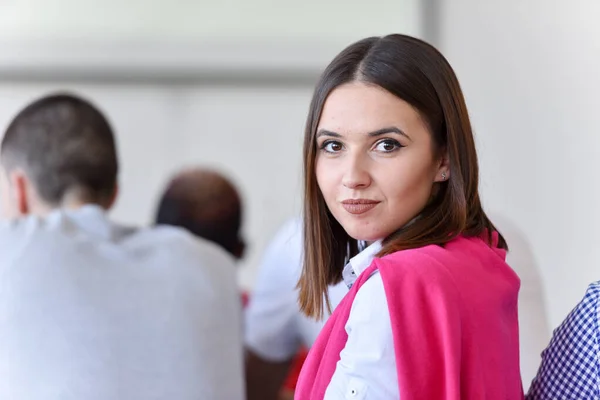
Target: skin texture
x=376, y=148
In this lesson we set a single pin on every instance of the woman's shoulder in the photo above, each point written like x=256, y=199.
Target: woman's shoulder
x=460, y=247
x=428, y=258
x=444, y=265
x=419, y=268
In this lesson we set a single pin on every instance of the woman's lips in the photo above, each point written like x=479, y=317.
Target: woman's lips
x=359, y=206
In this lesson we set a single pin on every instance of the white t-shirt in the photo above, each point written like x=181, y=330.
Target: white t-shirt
x=92, y=310
x=275, y=327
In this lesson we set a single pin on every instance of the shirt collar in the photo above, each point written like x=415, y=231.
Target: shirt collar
x=359, y=263
x=91, y=219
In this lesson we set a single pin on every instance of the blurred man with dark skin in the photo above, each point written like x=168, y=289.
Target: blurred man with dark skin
x=208, y=205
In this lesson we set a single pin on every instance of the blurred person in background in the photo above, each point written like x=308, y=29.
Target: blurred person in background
x=91, y=309
x=207, y=204
x=277, y=333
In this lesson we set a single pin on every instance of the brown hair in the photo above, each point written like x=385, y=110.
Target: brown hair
x=417, y=73
x=63, y=143
x=207, y=204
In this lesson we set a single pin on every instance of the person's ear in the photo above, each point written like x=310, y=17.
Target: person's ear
x=20, y=191
x=443, y=170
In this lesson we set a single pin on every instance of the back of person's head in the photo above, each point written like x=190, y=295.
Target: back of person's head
x=206, y=204
x=406, y=74
x=59, y=151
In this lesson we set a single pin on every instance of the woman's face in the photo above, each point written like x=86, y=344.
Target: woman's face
x=376, y=163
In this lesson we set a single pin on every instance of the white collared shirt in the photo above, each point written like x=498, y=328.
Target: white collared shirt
x=367, y=366
x=275, y=327
x=92, y=310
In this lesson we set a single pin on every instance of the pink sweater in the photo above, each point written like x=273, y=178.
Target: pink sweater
x=453, y=311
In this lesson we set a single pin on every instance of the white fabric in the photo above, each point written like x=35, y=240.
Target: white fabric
x=91, y=310
x=367, y=366
x=275, y=328
x=359, y=263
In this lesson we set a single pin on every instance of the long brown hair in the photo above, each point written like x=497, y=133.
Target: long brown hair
x=417, y=73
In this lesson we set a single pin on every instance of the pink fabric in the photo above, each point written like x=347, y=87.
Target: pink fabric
x=454, y=321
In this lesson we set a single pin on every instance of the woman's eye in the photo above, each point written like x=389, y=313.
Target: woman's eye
x=331, y=146
x=388, y=145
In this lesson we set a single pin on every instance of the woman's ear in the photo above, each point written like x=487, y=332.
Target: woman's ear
x=443, y=170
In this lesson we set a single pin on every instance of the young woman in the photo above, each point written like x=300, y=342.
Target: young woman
x=390, y=162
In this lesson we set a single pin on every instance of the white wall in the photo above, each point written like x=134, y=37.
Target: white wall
x=201, y=19
x=530, y=71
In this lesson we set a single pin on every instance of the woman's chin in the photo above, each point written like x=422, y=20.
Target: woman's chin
x=363, y=234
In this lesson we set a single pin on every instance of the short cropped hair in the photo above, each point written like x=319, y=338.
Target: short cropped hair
x=205, y=203
x=63, y=143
